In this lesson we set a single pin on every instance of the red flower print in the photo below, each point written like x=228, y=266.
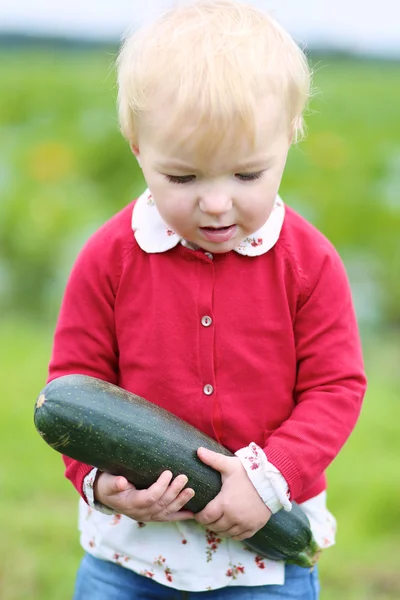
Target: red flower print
x=254, y=449
x=234, y=571
x=150, y=200
x=118, y=558
x=116, y=520
x=254, y=464
x=213, y=541
x=184, y=541
x=256, y=242
x=170, y=232
x=159, y=561
x=259, y=562
x=147, y=574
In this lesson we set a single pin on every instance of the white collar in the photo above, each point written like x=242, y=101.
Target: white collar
x=153, y=235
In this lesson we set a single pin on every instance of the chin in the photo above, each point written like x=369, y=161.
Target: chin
x=221, y=248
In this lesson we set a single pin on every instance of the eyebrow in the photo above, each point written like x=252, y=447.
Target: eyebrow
x=258, y=162
x=174, y=164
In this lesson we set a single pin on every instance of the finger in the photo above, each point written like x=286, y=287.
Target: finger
x=174, y=507
x=171, y=494
x=173, y=491
x=230, y=531
x=121, y=484
x=217, y=461
x=165, y=478
x=147, y=498
x=221, y=526
x=243, y=536
x=182, y=515
x=107, y=485
x=211, y=513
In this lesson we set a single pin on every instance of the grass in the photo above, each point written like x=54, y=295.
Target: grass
x=39, y=546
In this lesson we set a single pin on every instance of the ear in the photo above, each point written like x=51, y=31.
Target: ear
x=136, y=152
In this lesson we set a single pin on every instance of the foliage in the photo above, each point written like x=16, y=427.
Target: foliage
x=65, y=169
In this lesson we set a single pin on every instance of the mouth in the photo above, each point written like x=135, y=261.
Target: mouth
x=213, y=227
x=219, y=234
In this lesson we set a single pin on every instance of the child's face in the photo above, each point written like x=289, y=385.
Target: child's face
x=217, y=201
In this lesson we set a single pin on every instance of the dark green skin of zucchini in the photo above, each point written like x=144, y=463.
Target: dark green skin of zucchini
x=120, y=433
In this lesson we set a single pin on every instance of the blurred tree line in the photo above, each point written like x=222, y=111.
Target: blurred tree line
x=65, y=169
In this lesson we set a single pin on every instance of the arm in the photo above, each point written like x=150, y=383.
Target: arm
x=86, y=343
x=330, y=380
x=85, y=340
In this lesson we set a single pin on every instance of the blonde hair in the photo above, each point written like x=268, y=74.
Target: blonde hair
x=214, y=59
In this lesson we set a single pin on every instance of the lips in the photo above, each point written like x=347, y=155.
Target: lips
x=216, y=228
x=219, y=234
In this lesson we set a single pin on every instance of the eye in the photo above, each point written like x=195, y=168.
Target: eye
x=249, y=176
x=180, y=178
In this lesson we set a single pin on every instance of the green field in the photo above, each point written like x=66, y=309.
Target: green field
x=64, y=169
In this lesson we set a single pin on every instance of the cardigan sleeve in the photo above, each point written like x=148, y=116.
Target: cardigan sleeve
x=330, y=382
x=85, y=341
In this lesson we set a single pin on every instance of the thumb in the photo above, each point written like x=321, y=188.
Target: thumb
x=123, y=485
x=217, y=461
x=120, y=484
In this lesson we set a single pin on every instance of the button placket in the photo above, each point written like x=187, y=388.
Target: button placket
x=206, y=334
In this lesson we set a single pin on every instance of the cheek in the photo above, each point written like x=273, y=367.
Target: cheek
x=173, y=205
x=259, y=203
x=261, y=213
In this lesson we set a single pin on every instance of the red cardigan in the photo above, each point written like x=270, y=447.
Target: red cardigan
x=282, y=353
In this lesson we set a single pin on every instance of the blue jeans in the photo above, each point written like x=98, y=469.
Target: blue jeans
x=103, y=580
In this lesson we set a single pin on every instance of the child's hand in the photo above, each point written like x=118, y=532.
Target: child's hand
x=238, y=510
x=160, y=502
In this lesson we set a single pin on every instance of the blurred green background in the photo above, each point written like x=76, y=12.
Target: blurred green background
x=65, y=169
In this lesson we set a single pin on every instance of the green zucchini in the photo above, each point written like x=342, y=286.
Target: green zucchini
x=118, y=432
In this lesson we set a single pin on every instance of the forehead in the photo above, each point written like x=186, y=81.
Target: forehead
x=187, y=137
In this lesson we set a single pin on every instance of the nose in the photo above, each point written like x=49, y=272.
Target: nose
x=215, y=202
